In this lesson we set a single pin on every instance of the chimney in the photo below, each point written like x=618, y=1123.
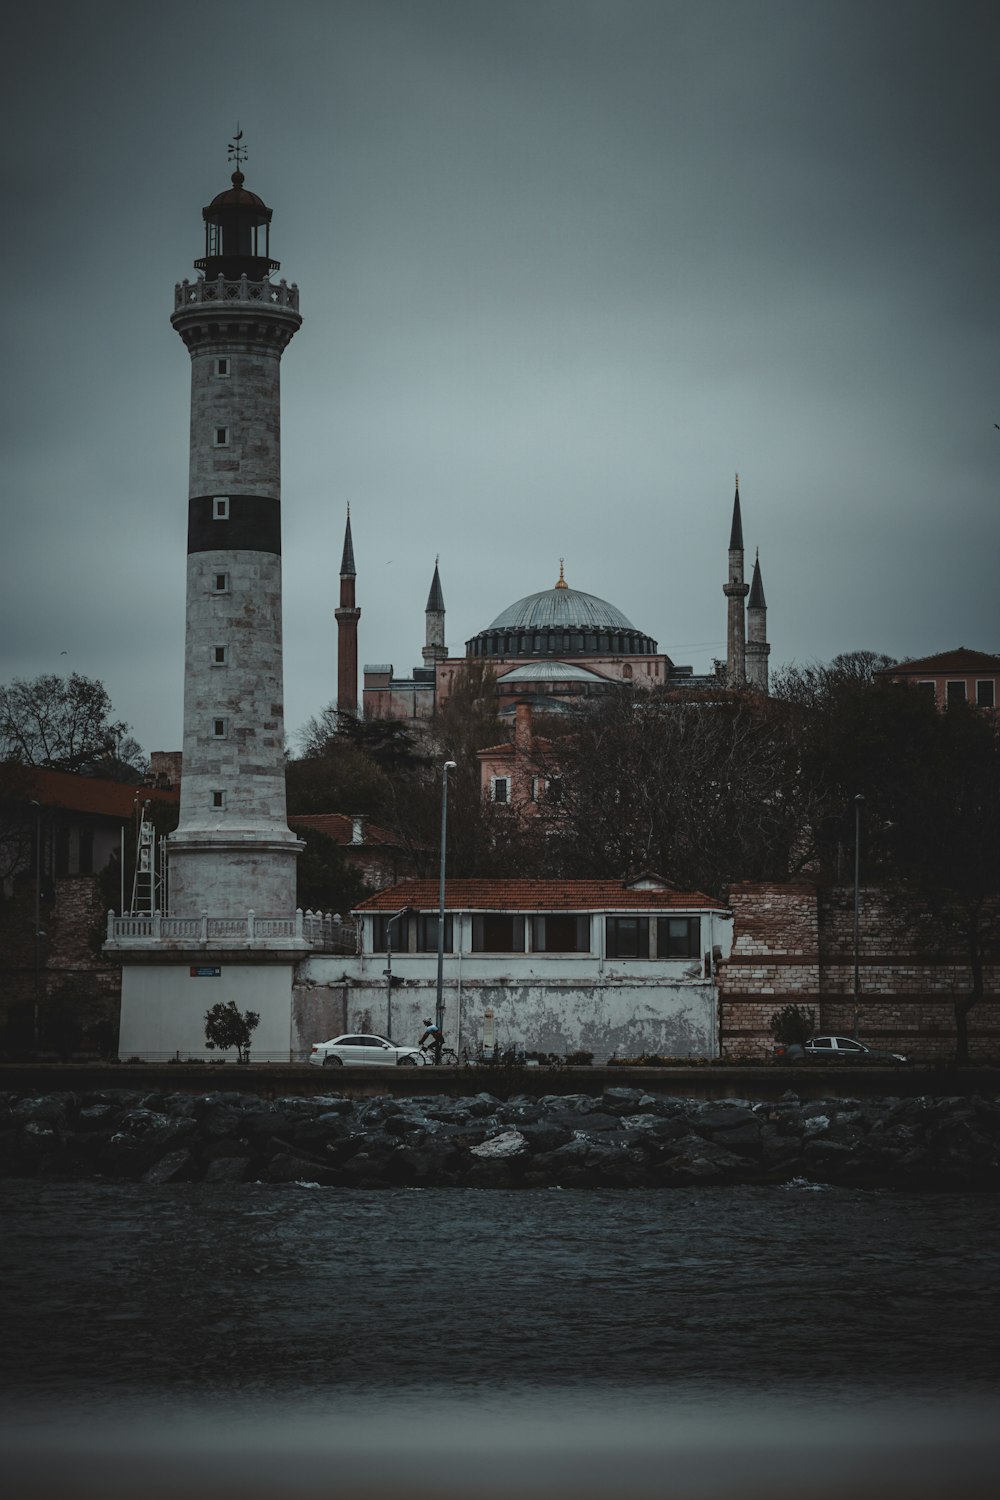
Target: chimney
x=522, y=729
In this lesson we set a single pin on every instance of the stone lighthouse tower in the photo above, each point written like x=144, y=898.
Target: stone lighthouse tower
x=233, y=848
x=230, y=931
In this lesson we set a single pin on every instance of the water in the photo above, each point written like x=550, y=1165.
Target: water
x=695, y=1342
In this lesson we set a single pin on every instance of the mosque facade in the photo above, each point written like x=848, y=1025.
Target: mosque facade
x=553, y=649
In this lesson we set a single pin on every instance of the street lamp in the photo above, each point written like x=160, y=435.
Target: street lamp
x=38, y=918
x=859, y=803
x=387, y=971
x=449, y=765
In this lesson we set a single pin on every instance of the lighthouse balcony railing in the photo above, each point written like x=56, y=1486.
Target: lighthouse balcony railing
x=271, y=293
x=323, y=931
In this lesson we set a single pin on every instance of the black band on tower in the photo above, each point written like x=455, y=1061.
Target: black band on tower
x=244, y=523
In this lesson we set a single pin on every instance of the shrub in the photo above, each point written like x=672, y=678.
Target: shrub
x=793, y=1023
x=226, y=1027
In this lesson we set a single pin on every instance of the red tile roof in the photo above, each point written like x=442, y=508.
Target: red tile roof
x=89, y=794
x=340, y=828
x=961, y=660
x=536, y=895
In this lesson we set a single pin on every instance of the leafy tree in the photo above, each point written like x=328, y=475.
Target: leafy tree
x=226, y=1027
x=65, y=723
x=339, y=777
x=326, y=881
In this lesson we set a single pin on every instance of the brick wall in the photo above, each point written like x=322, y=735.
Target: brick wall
x=794, y=944
x=72, y=971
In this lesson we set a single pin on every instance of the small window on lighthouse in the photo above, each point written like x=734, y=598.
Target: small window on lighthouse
x=218, y=799
x=219, y=729
x=221, y=437
x=220, y=656
x=222, y=367
x=220, y=508
x=220, y=583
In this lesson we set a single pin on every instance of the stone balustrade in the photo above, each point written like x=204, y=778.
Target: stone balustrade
x=323, y=931
x=273, y=294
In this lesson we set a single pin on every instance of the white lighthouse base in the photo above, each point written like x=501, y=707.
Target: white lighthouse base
x=164, y=1005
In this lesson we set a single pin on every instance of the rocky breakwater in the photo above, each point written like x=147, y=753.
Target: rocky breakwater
x=623, y=1138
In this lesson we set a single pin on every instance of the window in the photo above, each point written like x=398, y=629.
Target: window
x=218, y=799
x=220, y=656
x=955, y=692
x=627, y=937
x=554, y=791
x=220, y=508
x=219, y=729
x=500, y=788
x=221, y=437
x=497, y=932
x=626, y=670
x=416, y=933
x=220, y=583
x=537, y=788
x=560, y=932
x=678, y=937
x=986, y=694
x=929, y=689
x=222, y=367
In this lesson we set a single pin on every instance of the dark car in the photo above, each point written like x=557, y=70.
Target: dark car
x=788, y=1053
x=844, y=1049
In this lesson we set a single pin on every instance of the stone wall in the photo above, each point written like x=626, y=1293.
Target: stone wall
x=794, y=944
x=73, y=974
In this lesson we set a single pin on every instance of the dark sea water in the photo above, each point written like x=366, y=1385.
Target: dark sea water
x=261, y=1341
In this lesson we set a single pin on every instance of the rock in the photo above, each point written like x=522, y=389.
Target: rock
x=509, y=1143
x=228, y=1169
x=176, y=1166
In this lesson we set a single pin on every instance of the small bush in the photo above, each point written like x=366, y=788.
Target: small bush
x=226, y=1027
x=793, y=1023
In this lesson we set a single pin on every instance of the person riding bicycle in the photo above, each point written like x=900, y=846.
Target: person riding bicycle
x=434, y=1037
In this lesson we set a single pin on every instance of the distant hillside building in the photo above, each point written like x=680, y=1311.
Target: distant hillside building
x=959, y=676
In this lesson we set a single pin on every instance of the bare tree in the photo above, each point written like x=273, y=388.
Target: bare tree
x=65, y=723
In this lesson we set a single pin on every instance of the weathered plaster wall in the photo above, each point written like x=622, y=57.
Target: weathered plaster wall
x=164, y=1006
x=617, y=1015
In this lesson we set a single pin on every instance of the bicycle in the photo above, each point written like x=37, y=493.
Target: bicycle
x=449, y=1057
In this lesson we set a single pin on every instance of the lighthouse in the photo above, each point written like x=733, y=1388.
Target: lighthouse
x=230, y=930
x=233, y=848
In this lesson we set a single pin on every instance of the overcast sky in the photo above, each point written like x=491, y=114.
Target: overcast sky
x=565, y=267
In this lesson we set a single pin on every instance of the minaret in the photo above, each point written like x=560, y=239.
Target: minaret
x=435, y=648
x=758, y=649
x=736, y=591
x=347, y=617
x=233, y=850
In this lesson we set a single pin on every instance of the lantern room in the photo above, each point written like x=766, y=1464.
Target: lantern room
x=237, y=235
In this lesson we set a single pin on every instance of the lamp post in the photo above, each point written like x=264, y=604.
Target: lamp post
x=36, y=934
x=387, y=971
x=859, y=803
x=449, y=765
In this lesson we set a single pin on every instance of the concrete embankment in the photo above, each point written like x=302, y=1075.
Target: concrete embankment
x=620, y=1137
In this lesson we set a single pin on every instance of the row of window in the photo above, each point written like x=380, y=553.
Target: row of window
x=561, y=642
x=539, y=787
x=957, y=692
x=553, y=932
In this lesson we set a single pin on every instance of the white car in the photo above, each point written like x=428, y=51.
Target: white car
x=363, y=1051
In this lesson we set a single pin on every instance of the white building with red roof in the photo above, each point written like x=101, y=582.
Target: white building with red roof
x=617, y=969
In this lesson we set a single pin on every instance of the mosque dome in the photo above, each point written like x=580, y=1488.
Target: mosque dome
x=560, y=622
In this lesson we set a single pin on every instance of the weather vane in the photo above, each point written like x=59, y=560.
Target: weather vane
x=237, y=151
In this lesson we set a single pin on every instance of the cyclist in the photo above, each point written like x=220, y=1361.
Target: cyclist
x=434, y=1037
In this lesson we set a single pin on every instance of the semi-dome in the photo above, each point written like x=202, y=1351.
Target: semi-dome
x=550, y=671
x=561, y=622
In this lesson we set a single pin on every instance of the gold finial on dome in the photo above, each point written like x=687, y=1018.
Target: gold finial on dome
x=562, y=584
